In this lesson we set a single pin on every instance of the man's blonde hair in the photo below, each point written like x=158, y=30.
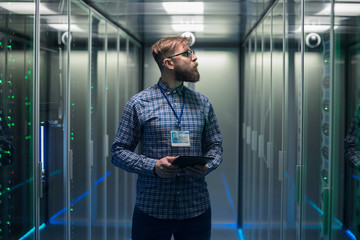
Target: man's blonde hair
x=166, y=46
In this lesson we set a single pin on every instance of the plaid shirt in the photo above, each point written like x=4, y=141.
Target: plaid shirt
x=352, y=140
x=149, y=118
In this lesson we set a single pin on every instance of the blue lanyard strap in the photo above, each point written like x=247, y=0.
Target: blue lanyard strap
x=182, y=107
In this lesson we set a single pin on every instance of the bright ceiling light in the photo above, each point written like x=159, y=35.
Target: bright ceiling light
x=184, y=7
x=314, y=28
x=188, y=27
x=25, y=8
x=342, y=9
x=187, y=24
x=64, y=27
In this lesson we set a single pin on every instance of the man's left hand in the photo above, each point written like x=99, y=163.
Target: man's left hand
x=197, y=170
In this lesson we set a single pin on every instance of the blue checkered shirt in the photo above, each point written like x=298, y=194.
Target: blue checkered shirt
x=148, y=118
x=352, y=140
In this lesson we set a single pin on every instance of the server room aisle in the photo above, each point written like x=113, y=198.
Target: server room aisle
x=283, y=77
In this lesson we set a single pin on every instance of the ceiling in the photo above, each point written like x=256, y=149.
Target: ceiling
x=212, y=22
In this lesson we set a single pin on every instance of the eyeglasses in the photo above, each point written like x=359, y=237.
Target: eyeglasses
x=187, y=53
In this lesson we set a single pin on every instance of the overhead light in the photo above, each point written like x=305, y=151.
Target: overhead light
x=187, y=24
x=314, y=28
x=25, y=8
x=184, y=7
x=342, y=9
x=64, y=27
x=188, y=27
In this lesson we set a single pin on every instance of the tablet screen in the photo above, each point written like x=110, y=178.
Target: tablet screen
x=184, y=161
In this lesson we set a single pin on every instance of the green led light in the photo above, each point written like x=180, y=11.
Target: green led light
x=92, y=86
x=8, y=189
x=29, y=72
x=27, y=137
x=26, y=77
x=72, y=134
x=326, y=108
x=72, y=138
x=13, y=124
x=8, y=152
x=0, y=43
x=29, y=123
x=107, y=88
x=0, y=81
x=325, y=178
x=8, y=46
x=326, y=61
x=8, y=223
x=73, y=104
x=71, y=209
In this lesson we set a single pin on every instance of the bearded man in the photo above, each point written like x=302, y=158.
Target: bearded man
x=170, y=120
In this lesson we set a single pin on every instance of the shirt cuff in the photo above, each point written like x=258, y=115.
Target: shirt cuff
x=149, y=166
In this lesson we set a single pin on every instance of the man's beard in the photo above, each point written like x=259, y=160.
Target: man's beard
x=187, y=75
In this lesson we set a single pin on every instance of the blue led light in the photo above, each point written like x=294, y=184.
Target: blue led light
x=241, y=235
x=228, y=193
x=42, y=147
x=29, y=233
x=350, y=234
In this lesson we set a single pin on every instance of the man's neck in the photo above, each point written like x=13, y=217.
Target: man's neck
x=172, y=83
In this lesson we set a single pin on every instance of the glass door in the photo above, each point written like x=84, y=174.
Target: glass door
x=79, y=128
x=316, y=142
x=276, y=122
x=17, y=217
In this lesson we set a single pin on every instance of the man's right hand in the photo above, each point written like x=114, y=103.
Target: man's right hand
x=164, y=169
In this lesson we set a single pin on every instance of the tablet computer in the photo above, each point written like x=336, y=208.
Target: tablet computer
x=184, y=161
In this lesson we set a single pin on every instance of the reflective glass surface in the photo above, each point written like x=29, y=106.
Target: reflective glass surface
x=313, y=96
x=16, y=120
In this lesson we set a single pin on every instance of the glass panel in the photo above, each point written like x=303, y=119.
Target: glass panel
x=276, y=121
x=16, y=155
x=316, y=122
x=258, y=165
x=113, y=118
x=292, y=116
x=244, y=196
x=98, y=127
x=80, y=145
x=248, y=165
x=124, y=212
x=265, y=125
x=53, y=76
x=346, y=85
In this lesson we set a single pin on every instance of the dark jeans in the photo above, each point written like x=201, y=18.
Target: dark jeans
x=145, y=227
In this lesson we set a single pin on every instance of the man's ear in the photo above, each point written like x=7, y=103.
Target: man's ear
x=168, y=63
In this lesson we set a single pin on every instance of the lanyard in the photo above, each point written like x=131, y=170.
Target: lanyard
x=182, y=107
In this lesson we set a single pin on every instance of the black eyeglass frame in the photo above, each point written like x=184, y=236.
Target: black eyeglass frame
x=187, y=53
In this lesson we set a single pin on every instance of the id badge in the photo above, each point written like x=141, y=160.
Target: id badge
x=180, y=138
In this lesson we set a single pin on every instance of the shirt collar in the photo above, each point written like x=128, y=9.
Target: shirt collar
x=168, y=90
